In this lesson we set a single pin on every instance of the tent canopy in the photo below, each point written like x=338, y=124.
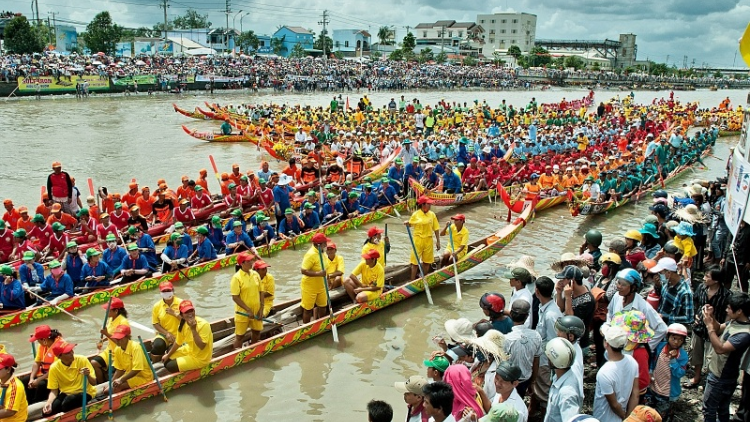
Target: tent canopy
x=202, y=51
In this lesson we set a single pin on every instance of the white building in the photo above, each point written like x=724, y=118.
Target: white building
x=449, y=36
x=503, y=30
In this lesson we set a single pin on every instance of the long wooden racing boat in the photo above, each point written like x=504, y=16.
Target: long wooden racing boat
x=192, y=114
x=37, y=313
x=450, y=199
x=294, y=332
x=217, y=137
x=579, y=207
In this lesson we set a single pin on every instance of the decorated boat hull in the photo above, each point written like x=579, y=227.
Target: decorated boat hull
x=450, y=199
x=217, y=137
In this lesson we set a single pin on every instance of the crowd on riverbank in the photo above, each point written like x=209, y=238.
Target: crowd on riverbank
x=310, y=74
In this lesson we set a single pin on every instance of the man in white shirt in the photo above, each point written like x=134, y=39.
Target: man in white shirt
x=506, y=384
x=629, y=284
x=519, y=277
x=616, y=393
x=523, y=345
x=564, y=398
x=548, y=315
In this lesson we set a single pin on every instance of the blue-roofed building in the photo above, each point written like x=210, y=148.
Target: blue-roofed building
x=351, y=42
x=293, y=35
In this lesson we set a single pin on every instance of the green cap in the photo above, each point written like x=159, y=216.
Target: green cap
x=309, y=206
x=331, y=195
x=237, y=224
x=440, y=363
x=175, y=236
x=327, y=186
x=111, y=238
x=368, y=179
x=6, y=270
x=28, y=256
x=2, y=223
x=244, y=178
x=399, y=161
x=56, y=226
x=202, y=230
x=179, y=225
x=385, y=180
x=71, y=245
x=92, y=252
x=198, y=188
x=519, y=273
x=415, y=159
x=262, y=181
x=83, y=211
x=347, y=183
x=259, y=214
x=118, y=204
x=55, y=264
x=132, y=247
x=289, y=211
x=19, y=233
x=38, y=218
x=237, y=212
x=311, y=193
x=215, y=219
x=353, y=195
x=231, y=186
x=368, y=186
x=132, y=230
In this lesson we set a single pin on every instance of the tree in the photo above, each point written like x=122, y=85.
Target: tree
x=469, y=61
x=539, y=57
x=515, y=51
x=298, y=51
x=21, y=37
x=323, y=38
x=248, y=39
x=409, y=42
x=338, y=54
x=497, y=59
x=384, y=35
x=658, y=68
x=425, y=55
x=191, y=20
x=102, y=34
x=596, y=67
x=397, y=55
x=277, y=45
x=574, y=62
x=441, y=57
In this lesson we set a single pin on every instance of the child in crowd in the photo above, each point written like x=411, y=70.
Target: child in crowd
x=667, y=368
x=639, y=334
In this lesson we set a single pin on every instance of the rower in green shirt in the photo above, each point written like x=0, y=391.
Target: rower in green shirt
x=226, y=128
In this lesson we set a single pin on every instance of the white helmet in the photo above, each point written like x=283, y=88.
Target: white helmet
x=678, y=329
x=560, y=353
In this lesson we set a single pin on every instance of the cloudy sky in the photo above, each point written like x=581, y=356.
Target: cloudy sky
x=704, y=31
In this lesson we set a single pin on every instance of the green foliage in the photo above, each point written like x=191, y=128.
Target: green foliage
x=277, y=45
x=497, y=59
x=575, y=62
x=384, y=35
x=397, y=55
x=559, y=62
x=102, y=34
x=409, y=42
x=595, y=67
x=247, y=39
x=539, y=56
x=469, y=61
x=22, y=38
x=339, y=55
x=514, y=51
x=425, y=55
x=298, y=51
x=441, y=57
x=319, y=43
x=658, y=68
x=191, y=20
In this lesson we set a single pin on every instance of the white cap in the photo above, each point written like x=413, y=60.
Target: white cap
x=668, y=264
x=616, y=337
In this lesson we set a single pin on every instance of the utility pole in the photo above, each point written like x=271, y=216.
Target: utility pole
x=36, y=9
x=442, y=39
x=49, y=32
x=324, y=34
x=53, y=29
x=684, y=62
x=165, y=5
x=228, y=11
x=667, y=62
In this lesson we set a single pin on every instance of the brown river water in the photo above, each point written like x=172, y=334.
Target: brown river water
x=114, y=139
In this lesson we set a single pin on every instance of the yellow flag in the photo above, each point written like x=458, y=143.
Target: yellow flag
x=745, y=46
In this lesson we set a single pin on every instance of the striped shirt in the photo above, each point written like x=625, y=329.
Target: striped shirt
x=677, y=303
x=718, y=301
x=662, y=374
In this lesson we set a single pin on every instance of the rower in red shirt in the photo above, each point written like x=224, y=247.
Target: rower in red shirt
x=183, y=213
x=40, y=232
x=88, y=228
x=265, y=195
x=11, y=215
x=57, y=241
x=245, y=190
x=6, y=242
x=470, y=176
x=201, y=200
x=232, y=200
x=60, y=186
x=119, y=216
x=105, y=227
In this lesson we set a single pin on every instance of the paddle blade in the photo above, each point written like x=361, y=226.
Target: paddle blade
x=745, y=46
x=213, y=166
x=91, y=186
x=335, y=332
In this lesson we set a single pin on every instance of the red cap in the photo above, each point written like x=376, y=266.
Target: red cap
x=371, y=254
x=473, y=160
x=459, y=217
x=117, y=303
x=374, y=231
x=165, y=285
x=424, y=200
x=243, y=257
x=133, y=185
x=62, y=347
x=7, y=361
x=260, y=264
x=40, y=333
x=331, y=245
x=121, y=332
x=186, y=306
x=319, y=238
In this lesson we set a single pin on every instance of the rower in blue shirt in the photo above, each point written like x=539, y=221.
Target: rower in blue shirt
x=186, y=239
x=368, y=200
x=113, y=254
x=413, y=170
x=237, y=240
x=135, y=266
x=497, y=152
x=351, y=205
x=263, y=233
x=440, y=165
x=73, y=264
x=396, y=174
x=387, y=195
x=204, y=249
x=289, y=226
x=463, y=153
x=145, y=245
x=96, y=273
x=281, y=196
x=30, y=273
x=215, y=235
x=311, y=200
x=310, y=217
x=175, y=255
x=451, y=181
x=57, y=286
x=11, y=293
x=236, y=215
x=332, y=209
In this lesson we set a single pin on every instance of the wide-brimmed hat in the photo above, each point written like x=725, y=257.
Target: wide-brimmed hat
x=635, y=322
x=691, y=214
x=650, y=229
x=492, y=343
x=460, y=329
x=566, y=259
x=526, y=262
x=694, y=190
x=684, y=229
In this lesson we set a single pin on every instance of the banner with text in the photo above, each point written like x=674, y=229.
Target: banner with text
x=47, y=84
x=738, y=184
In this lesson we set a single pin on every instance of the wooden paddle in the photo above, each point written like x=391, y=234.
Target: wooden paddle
x=419, y=265
x=385, y=254
x=334, y=329
x=455, y=266
x=75, y=318
x=110, y=415
x=216, y=169
x=85, y=397
x=153, y=371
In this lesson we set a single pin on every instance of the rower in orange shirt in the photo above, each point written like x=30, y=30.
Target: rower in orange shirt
x=547, y=180
x=93, y=208
x=25, y=221
x=144, y=202
x=569, y=180
x=532, y=189
x=130, y=196
x=292, y=170
x=11, y=215
x=225, y=181
x=185, y=191
x=235, y=175
x=43, y=208
x=203, y=181
x=57, y=216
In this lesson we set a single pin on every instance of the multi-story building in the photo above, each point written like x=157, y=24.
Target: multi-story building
x=449, y=36
x=503, y=30
x=351, y=42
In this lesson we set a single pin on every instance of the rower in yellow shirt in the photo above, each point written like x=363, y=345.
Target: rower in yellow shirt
x=267, y=285
x=424, y=224
x=13, y=404
x=194, y=344
x=117, y=316
x=312, y=285
x=129, y=361
x=334, y=266
x=165, y=317
x=374, y=241
x=248, y=301
x=65, y=381
x=366, y=282
x=460, y=239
